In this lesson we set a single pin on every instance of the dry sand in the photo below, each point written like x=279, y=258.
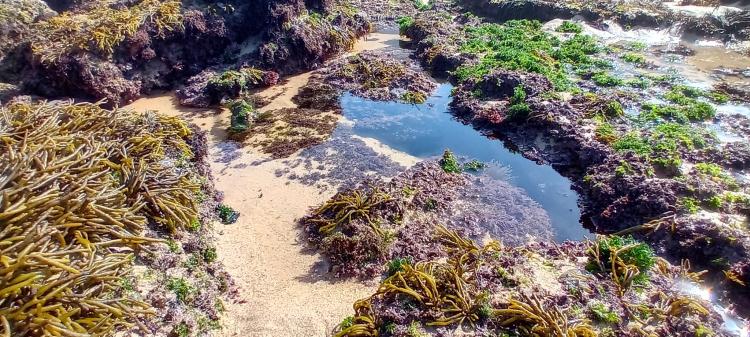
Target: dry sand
x=284, y=289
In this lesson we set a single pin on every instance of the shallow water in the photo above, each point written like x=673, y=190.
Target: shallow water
x=426, y=130
x=709, y=59
x=732, y=324
x=713, y=62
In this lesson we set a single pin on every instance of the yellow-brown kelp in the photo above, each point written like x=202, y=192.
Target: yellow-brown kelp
x=103, y=28
x=78, y=185
x=447, y=288
x=346, y=207
x=536, y=290
x=534, y=319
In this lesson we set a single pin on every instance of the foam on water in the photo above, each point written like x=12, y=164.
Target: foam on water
x=615, y=33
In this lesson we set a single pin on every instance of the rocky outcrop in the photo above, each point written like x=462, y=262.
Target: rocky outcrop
x=651, y=14
x=619, y=191
x=290, y=35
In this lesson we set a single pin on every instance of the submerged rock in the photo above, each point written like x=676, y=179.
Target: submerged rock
x=394, y=219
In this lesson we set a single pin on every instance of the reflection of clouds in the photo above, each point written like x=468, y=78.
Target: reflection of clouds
x=403, y=121
x=343, y=162
x=493, y=206
x=499, y=172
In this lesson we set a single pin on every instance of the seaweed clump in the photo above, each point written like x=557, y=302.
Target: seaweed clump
x=445, y=289
x=348, y=227
x=627, y=260
x=379, y=76
x=533, y=290
x=449, y=162
x=79, y=185
x=242, y=116
x=283, y=132
x=227, y=214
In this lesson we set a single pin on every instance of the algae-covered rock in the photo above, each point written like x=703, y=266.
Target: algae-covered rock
x=379, y=76
x=540, y=289
x=157, y=43
x=395, y=218
x=16, y=19
x=108, y=253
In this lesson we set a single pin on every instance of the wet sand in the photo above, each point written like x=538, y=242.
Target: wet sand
x=707, y=59
x=379, y=40
x=284, y=287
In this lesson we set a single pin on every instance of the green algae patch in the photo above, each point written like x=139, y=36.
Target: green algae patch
x=242, y=116
x=234, y=83
x=569, y=27
x=227, y=215
x=449, y=162
x=628, y=260
x=605, y=132
x=635, y=58
x=685, y=104
x=605, y=79
x=519, y=109
x=665, y=143
x=404, y=24
x=523, y=45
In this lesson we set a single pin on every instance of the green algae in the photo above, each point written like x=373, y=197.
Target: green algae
x=227, y=215
x=602, y=313
x=634, y=58
x=404, y=23
x=449, y=162
x=632, y=141
x=523, y=45
x=664, y=144
x=605, y=79
x=236, y=81
x=397, y=264
x=624, y=169
x=693, y=111
x=569, y=27
x=519, y=109
x=181, y=288
x=691, y=205
x=631, y=252
x=242, y=115
x=605, y=132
